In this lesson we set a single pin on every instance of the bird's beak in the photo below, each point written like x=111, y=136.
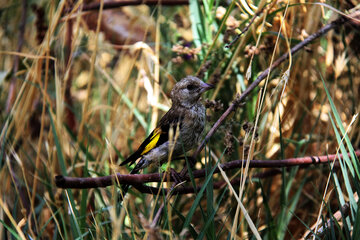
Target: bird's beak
x=206, y=86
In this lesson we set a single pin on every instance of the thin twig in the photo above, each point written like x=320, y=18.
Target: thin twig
x=245, y=28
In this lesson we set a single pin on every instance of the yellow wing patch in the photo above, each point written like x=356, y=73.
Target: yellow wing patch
x=153, y=140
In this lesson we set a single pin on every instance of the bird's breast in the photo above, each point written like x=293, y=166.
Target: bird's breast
x=193, y=126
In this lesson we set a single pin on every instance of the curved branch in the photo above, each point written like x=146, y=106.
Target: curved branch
x=139, y=179
x=236, y=102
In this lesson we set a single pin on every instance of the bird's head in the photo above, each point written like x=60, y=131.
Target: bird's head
x=188, y=90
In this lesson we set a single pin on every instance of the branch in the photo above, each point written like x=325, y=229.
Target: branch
x=138, y=179
x=116, y=4
x=325, y=226
x=236, y=102
x=217, y=185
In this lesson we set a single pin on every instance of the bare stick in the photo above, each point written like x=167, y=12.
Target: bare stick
x=116, y=4
x=138, y=179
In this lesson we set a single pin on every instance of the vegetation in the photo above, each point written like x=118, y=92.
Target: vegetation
x=82, y=84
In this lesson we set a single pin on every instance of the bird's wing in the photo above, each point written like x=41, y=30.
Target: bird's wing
x=158, y=136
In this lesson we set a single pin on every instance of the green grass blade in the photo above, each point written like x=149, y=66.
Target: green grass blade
x=344, y=170
x=75, y=227
x=210, y=201
x=182, y=218
x=47, y=222
x=211, y=217
x=12, y=231
x=271, y=227
x=124, y=98
x=340, y=196
x=84, y=196
x=356, y=231
x=198, y=198
x=343, y=132
x=58, y=145
x=198, y=25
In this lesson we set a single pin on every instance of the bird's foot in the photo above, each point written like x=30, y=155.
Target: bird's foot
x=176, y=176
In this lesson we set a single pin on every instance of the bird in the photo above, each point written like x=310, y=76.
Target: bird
x=186, y=115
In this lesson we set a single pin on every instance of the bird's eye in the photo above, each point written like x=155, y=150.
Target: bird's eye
x=190, y=87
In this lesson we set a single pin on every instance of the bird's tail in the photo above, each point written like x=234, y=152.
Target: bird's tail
x=125, y=187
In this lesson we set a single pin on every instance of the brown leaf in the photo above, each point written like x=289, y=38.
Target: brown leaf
x=122, y=25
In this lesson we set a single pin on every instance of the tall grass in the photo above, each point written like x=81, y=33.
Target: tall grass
x=119, y=89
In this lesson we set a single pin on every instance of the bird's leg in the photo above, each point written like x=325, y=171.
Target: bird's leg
x=176, y=176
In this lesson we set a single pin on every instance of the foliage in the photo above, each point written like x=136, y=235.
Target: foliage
x=84, y=95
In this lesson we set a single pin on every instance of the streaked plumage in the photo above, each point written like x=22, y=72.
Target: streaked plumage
x=187, y=112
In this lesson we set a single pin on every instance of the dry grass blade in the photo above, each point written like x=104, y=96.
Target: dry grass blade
x=243, y=209
x=88, y=82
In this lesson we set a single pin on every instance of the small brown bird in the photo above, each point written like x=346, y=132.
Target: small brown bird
x=187, y=113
